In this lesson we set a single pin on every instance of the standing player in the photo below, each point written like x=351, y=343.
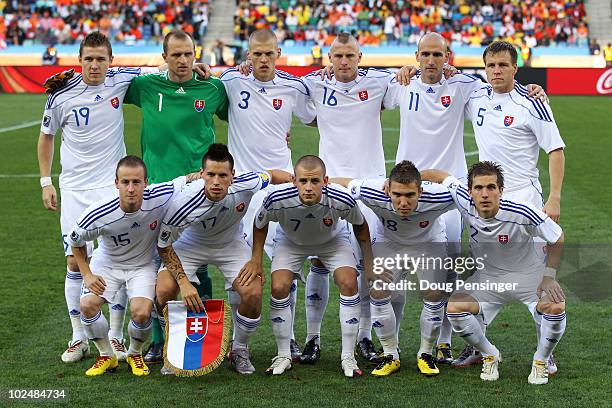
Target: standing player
x=308, y=212
x=127, y=228
x=88, y=111
x=510, y=129
x=502, y=233
x=177, y=127
x=261, y=106
x=209, y=214
x=409, y=225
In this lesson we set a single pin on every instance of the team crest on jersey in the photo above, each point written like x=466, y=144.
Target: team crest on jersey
x=423, y=224
x=446, y=101
x=363, y=95
x=328, y=222
x=240, y=207
x=198, y=105
x=196, y=327
x=503, y=238
x=115, y=102
x=153, y=225
x=277, y=103
x=508, y=120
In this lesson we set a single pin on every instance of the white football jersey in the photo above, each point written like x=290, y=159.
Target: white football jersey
x=309, y=225
x=199, y=221
x=510, y=129
x=431, y=121
x=126, y=240
x=91, y=120
x=504, y=243
x=260, y=116
x=348, y=118
x=423, y=225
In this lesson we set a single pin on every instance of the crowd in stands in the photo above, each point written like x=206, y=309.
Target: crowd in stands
x=392, y=22
x=129, y=22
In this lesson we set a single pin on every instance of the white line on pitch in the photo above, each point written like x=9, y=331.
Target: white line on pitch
x=20, y=126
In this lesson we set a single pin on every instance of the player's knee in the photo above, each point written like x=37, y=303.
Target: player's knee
x=280, y=289
x=379, y=294
x=72, y=264
x=432, y=295
x=251, y=295
x=347, y=284
x=552, y=308
x=89, y=308
x=462, y=303
x=164, y=293
x=141, y=312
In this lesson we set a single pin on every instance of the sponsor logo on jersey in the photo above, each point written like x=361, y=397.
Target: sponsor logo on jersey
x=153, y=225
x=198, y=105
x=430, y=90
x=508, y=120
x=314, y=296
x=223, y=209
x=328, y=222
x=277, y=319
x=260, y=216
x=363, y=95
x=240, y=207
x=135, y=225
x=277, y=103
x=97, y=98
x=180, y=91
x=310, y=216
x=262, y=91
x=46, y=120
x=446, y=100
x=352, y=321
x=115, y=102
x=377, y=324
x=196, y=327
x=503, y=238
x=423, y=224
x=497, y=108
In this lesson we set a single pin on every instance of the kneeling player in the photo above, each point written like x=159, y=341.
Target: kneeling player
x=501, y=236
x=209, y=214
x=408, y=227
x=127, y=229
x=309, y=212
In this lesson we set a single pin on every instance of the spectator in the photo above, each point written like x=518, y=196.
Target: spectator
x=608, y=55
x=594, y=48
x=50, y=56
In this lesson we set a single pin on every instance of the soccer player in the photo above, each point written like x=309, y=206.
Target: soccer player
x=431, y=136
x=88, y=110
x=510, y=129
x=501, y=236
x=177, y=127
x=208, y=214
x=409, y=225
x=309, y=211
x=127, y=227
x=261, y=106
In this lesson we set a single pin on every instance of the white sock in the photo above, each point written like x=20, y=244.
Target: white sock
x=139, y=334
x=96, y=329
x=317, y=296
x=293, y=299
x=430, y=322
x=365, y=318
x=467, y=326
x=553, y=327
x=398, y=301
x=243, y=328
x=117, y=314
x=280, y=316
x=349, y=323
x=234, y=301
x=72, y=292
x=383, y=317
x=446, y=331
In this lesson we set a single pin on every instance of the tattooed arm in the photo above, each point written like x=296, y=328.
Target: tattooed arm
x=172, y=263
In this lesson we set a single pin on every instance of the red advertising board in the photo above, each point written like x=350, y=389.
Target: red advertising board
x=579, y=81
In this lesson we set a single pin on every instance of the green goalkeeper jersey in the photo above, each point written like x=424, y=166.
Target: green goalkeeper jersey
x=177, y=122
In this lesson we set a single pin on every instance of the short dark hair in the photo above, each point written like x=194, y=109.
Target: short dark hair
x=179, y=35
x=131, y=161
x=500, y=46
x=310, y=162
x=486, y=168
x=218, y=152
x=96, y=39
x=405, y=172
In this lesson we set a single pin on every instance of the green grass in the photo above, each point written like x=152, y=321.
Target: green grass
x=35, y=327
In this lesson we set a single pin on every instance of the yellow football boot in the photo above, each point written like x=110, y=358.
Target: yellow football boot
x=427, y=365
x=138, y=365
x=388, y=366
x=102, y=365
